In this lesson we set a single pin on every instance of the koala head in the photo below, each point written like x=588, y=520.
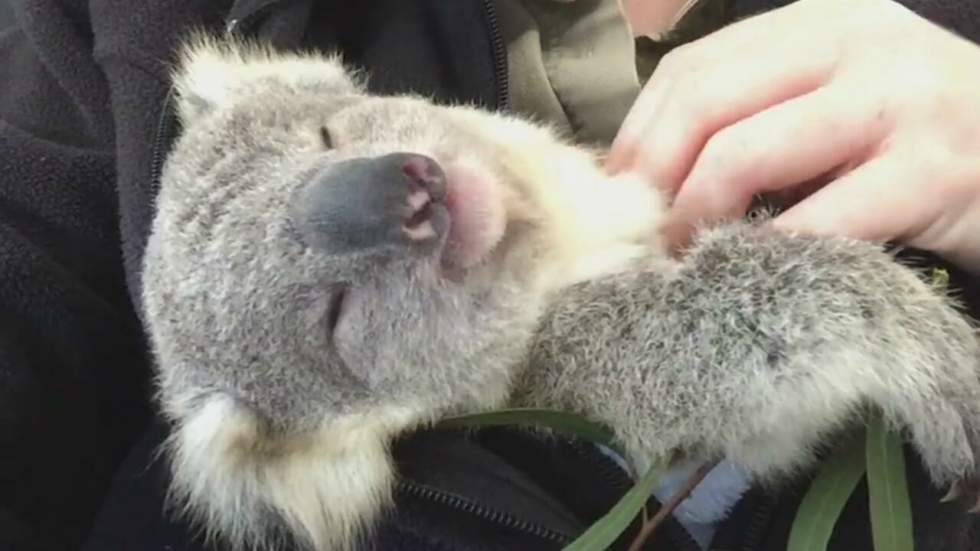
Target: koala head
x=327, y=267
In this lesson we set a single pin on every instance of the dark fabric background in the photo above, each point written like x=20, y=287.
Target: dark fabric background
x=6, y=14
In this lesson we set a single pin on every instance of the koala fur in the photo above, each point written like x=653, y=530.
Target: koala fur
x=291, y=350
x=759, y=348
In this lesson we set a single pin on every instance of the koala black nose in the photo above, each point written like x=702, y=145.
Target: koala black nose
x=367, y=203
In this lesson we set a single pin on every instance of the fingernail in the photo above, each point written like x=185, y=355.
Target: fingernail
x=676, y=235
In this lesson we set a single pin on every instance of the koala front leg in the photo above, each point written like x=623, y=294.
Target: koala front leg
x=758, y=348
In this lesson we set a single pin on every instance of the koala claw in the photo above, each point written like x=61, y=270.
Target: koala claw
x=964, y=489
x=952, y=495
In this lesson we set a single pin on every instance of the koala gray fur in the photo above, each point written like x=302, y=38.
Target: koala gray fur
x=760, y=348
x=291, y=349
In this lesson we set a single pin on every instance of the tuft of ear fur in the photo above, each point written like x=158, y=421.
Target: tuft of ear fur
x=321, y=490
x=211, y=71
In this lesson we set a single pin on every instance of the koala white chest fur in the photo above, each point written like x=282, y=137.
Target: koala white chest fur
x=329, y=268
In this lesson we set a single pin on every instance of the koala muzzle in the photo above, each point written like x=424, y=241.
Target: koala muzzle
x=391, y=201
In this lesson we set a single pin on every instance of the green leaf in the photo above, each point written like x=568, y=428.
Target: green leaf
x=939, y=278
x=568, y=423
x=824, y=501
x=888, y=493
x=604, y=531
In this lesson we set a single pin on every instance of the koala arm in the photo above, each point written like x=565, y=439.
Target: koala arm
x=757, y=348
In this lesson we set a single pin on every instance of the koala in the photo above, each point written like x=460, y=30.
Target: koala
x=328, y=268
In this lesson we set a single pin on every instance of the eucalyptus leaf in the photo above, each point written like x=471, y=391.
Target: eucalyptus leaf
x=939, y=279
x=564, y=422
x=888, y=493
x=826, y=498
x=604, y=531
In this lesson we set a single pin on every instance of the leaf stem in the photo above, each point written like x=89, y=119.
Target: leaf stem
x=675, y=500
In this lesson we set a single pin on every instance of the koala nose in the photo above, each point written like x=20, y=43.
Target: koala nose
x=367, y=203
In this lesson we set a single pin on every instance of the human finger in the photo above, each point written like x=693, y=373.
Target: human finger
x=790, y=144
x=699, y=89
x=878, y=201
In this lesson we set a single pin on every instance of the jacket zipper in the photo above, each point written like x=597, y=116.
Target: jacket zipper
x=165, y=127
x=477, y=510
x=607, y=468
x=755, y=532
x=244, y=24
x=499, y=55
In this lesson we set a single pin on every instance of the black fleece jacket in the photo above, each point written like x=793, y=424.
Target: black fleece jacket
x=82, y=130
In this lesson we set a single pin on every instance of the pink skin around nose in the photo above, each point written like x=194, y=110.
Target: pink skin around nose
x=477, y=215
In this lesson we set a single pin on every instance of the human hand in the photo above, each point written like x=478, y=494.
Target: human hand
x=868, y=111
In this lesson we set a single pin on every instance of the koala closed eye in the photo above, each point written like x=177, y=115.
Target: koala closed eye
x=335, y=309
x=325, y=138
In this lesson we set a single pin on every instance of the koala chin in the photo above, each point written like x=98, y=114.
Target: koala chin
x=328, y=268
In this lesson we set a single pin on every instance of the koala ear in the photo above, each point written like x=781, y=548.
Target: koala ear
x=211, y=72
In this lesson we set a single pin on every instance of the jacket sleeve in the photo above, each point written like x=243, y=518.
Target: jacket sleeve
x=72, y=368
x=959, y=16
